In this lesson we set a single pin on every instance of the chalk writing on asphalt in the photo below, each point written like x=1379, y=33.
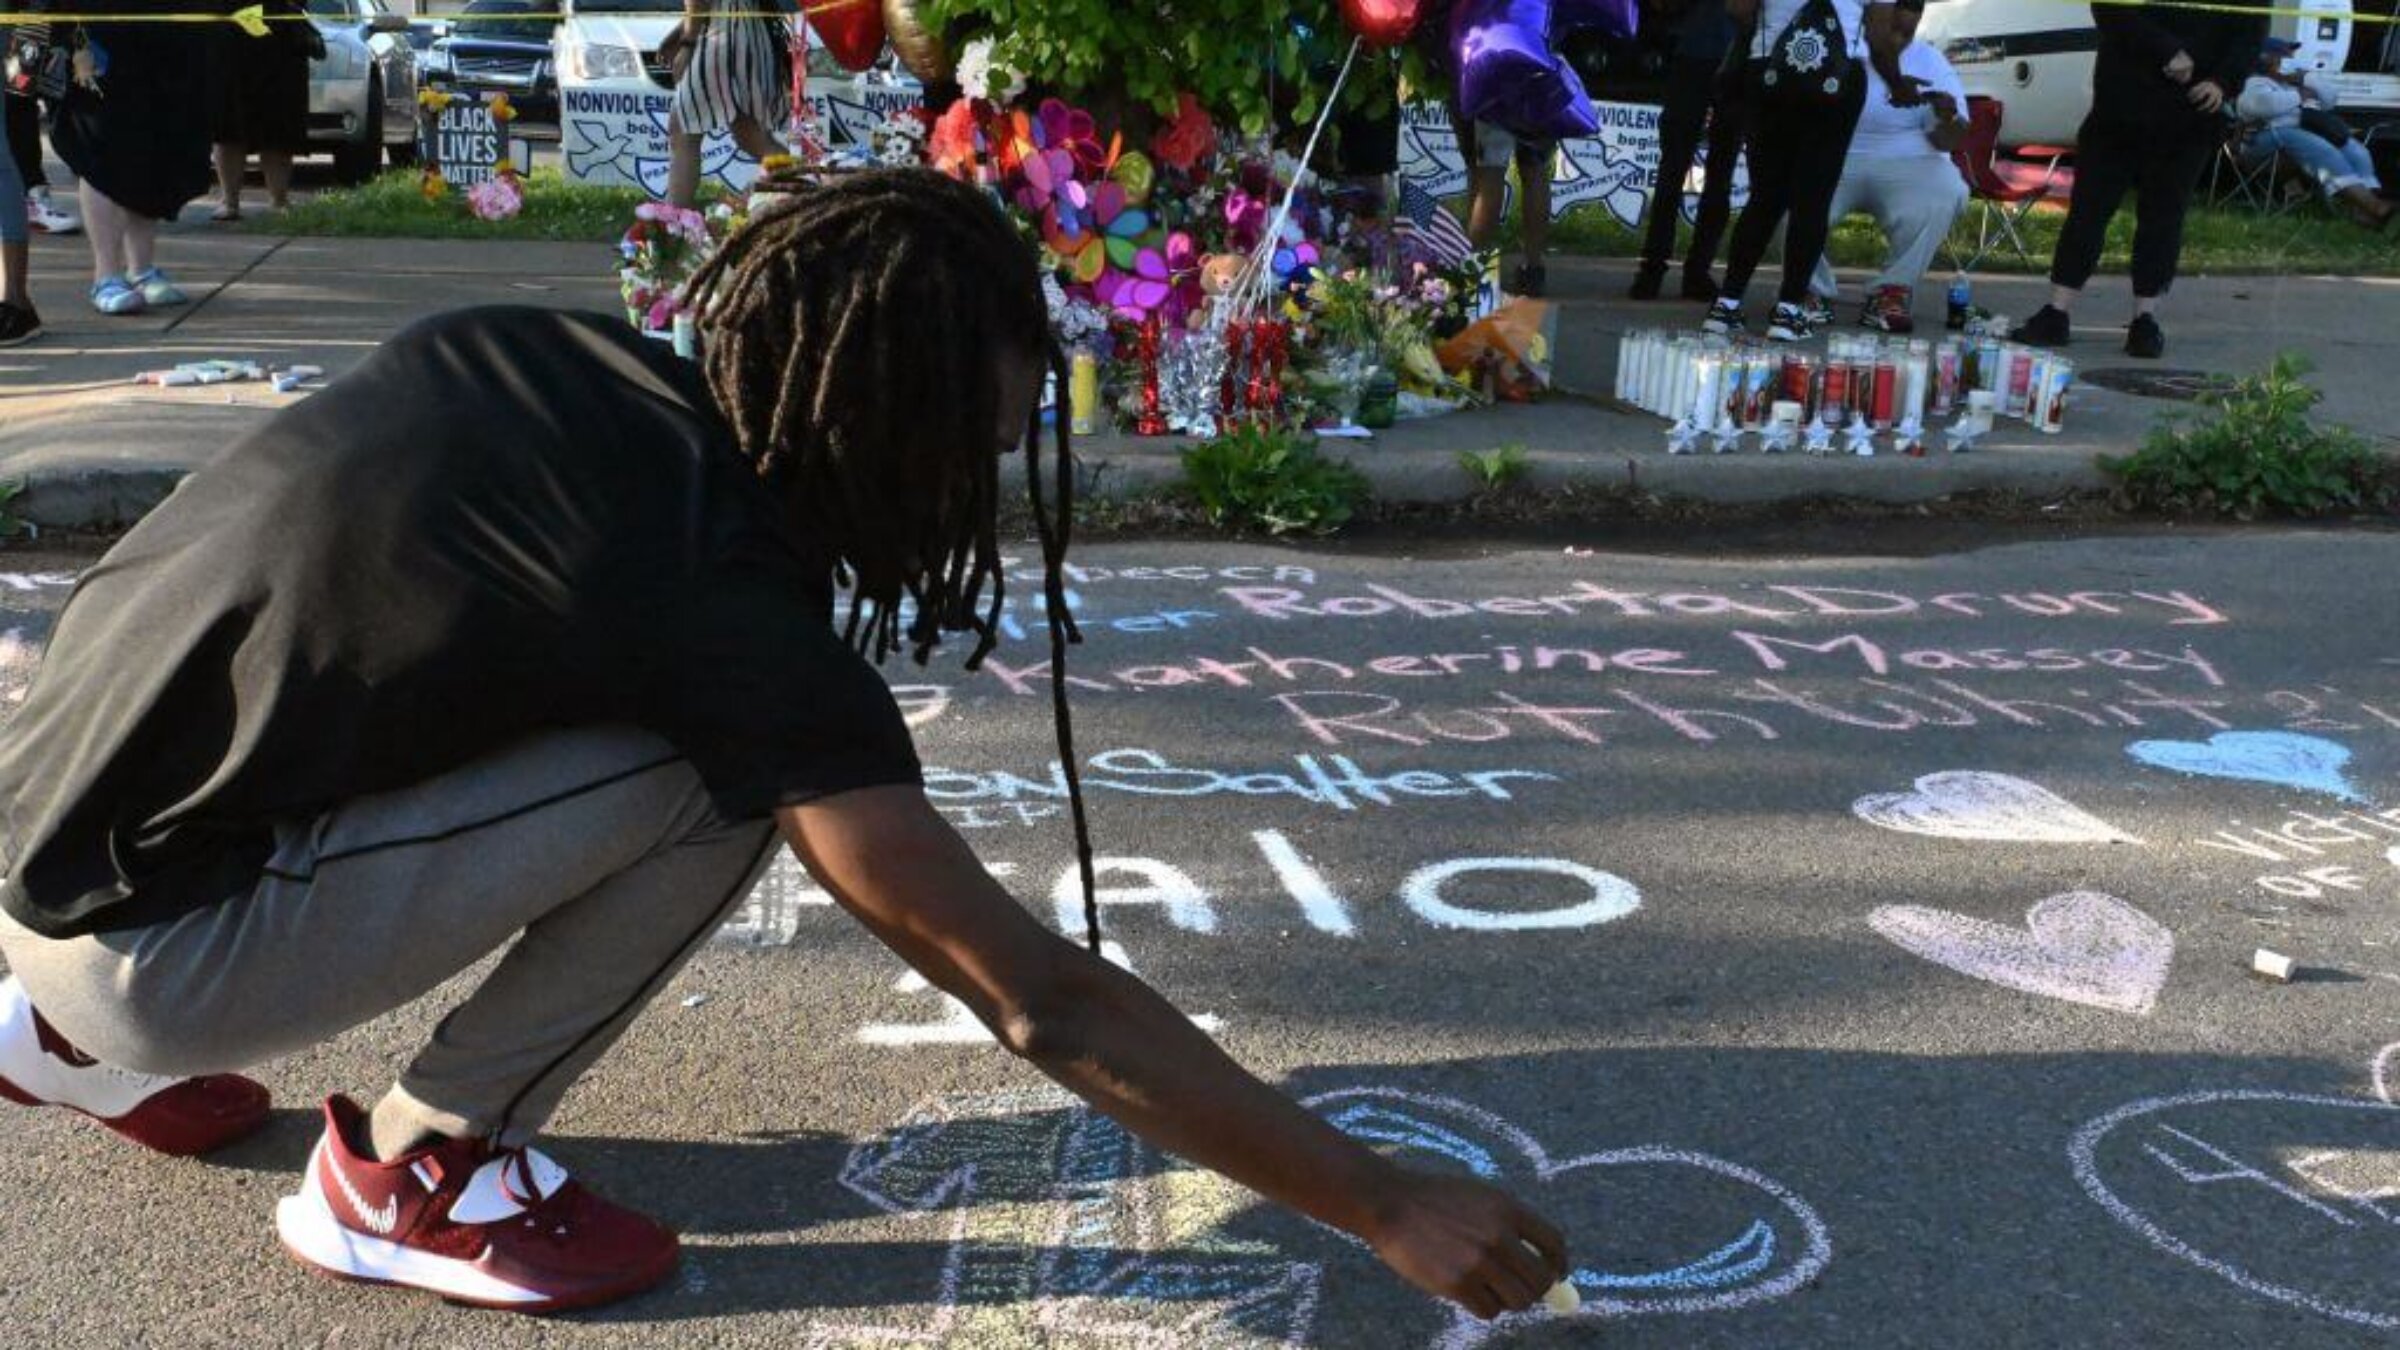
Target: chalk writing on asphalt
x=2082, y=947
x=2291, y=1197
x=1583, y=598
x=2298, y=844
x=1544, y=893
x=1966, y=804
x=2281, y=758
x=1059, y=1227
x=1335, y=782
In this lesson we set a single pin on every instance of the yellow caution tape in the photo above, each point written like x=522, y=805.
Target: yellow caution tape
x=250, y=20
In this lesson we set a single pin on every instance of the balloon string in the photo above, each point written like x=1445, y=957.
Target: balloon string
x=1252, y=286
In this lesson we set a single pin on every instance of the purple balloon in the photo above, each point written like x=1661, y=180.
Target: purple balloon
x=1508, y=75
x=1617, y=18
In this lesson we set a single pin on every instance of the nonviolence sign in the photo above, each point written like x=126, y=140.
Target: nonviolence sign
x=617, y=138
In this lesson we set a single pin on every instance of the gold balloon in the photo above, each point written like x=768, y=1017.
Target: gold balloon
x=920, y=46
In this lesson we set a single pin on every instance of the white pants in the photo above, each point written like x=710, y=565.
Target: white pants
x=1915, y=200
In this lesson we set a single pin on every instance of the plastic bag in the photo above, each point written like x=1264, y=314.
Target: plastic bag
x=1507, y=354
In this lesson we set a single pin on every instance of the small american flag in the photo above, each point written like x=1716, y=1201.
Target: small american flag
x=1427, y=223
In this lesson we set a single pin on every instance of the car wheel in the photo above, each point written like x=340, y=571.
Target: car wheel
x=354, y=162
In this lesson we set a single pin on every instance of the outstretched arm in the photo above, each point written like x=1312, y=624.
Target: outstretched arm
x=889, y=858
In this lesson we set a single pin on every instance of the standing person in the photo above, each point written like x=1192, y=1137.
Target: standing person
x=733, y=74
x=2290, y=113
x=1488, y=149
x=262, y=103
x=134, y=128
x=1704, y=88
x=1798, y=142
x=19, y=322
x=1899, y=171
x=2159, y=88
x=44, y=213
x=298, y=753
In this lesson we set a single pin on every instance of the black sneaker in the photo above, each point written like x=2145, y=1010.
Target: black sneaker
x=18, y=325
x=1532, y=280
x=1724, y=318
x=1648, y=280
x=2144, y=338
x=1790, y=324
x=1699, y=286
x=2047, y=328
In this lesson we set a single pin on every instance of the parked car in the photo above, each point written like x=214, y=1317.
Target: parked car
x=498, y=46
x=362, y=96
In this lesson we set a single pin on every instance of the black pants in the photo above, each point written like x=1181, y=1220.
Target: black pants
x=1697, y=96
x=1796, y=156
x=25, y=139
x=2160, y=168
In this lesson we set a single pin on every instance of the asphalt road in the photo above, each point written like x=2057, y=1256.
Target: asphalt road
x=1848, y=950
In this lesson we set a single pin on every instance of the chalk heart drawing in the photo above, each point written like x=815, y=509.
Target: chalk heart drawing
x=2287, y=1196
x=1772, y=1242
x=1062, y=1229
x=1969, y=804
x=2311, y=763
x=2083, y=947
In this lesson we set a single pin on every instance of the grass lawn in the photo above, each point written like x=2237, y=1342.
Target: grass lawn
x=2217, y=239
x=392, y=207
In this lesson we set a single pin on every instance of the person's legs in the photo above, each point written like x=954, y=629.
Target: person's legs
x=2313, y=155
x=1537, y=164
x=1679, y=127
x=1917, y=201
x=2166, y=177
x=15, y=230
x=232, y=161
x=1855, y=192
x=276, y=167
x=1774, y=153
x=755, y=140
x=105, y=221
x=1726, y=131
x=683, y=164
x=599, y=846
x=25, y=141
x=2105, y=164
x=1817, y=170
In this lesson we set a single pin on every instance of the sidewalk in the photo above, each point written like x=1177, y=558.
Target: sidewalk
x=95, y=449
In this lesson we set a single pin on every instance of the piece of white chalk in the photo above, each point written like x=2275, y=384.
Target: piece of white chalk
x=1563, y=1298
x=2274, y=965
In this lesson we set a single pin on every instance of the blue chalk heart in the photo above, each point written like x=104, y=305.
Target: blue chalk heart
x=2309, y=762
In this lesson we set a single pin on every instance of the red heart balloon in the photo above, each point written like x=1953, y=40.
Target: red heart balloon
x=851, y=29
x=1383, y=23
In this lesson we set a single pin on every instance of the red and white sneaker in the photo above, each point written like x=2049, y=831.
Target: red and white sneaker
x=179, y=1116
x=491, y=1227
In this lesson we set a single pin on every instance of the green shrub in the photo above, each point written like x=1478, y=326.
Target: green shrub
x=2259, y=455
x=1264, y=478
x=1496, y=469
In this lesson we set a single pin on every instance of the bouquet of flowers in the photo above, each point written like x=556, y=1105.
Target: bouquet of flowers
x=661, y=252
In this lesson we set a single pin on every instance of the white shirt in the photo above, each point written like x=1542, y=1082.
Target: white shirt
x=1886, y=132
x=2272, y=103
x=1776, y=15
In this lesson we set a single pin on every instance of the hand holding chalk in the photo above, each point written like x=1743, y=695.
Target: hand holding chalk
x=1470, y=1243
x=1563, y=1298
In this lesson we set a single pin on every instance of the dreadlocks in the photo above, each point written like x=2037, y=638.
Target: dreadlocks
x=853, y=330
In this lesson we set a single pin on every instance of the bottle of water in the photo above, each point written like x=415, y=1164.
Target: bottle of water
x=1962, y=300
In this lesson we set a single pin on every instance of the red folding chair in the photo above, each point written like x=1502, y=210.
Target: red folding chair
x=2003, y=192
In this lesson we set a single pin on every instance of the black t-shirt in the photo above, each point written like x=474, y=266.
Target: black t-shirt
x=505, y=521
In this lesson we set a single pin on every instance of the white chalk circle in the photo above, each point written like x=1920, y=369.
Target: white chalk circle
x=1612, y=896
x=2082, y=1155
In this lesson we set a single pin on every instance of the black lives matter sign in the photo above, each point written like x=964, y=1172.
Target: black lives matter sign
x=464, y=141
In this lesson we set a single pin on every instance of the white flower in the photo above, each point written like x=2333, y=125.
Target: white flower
x=981, y=76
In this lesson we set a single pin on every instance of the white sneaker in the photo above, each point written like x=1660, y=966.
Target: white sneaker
x=46, y=215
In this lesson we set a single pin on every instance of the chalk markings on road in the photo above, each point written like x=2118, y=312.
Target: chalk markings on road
x=2283, y=758
x=1969, y=804
x=2081, y=947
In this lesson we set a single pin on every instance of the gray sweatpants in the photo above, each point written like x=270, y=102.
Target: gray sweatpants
x=598, y=846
